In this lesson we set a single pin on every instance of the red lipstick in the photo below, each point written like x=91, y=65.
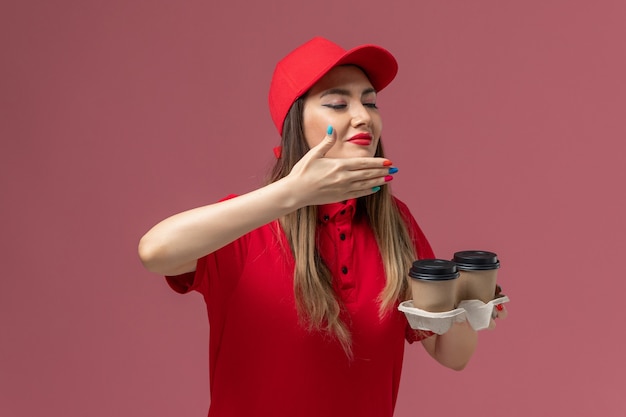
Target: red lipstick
x=363, y=139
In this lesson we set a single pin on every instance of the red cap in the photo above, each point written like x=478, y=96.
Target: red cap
x=296, y=73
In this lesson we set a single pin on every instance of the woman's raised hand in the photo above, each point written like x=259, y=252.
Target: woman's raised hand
x=321, y=180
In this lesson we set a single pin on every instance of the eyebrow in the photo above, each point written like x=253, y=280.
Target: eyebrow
x=344, y=92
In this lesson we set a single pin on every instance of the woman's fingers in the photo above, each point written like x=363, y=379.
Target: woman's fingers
x=324, y=146
x=499, y=312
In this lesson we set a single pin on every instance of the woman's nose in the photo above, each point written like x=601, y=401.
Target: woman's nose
x=360, y=115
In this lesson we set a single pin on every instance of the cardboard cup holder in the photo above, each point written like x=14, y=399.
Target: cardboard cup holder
x=476, y=312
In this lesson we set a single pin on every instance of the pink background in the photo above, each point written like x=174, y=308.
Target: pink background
x=507, y=121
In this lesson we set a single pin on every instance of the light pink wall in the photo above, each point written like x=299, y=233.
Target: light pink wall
x=507, y=121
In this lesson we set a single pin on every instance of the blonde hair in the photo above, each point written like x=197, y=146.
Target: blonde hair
x=317, y=304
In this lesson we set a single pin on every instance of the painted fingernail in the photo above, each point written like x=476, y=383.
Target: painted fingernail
x=387, y=163
x=393, y=170
x=499, y=307
x=388, y=178
x=374, y=189
x=329, y=130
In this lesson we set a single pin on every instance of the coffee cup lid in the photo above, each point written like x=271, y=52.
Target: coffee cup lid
x=434, y=270
x=476, y=260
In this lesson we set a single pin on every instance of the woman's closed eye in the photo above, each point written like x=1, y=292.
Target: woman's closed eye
x=336, y=106
x=343, y=106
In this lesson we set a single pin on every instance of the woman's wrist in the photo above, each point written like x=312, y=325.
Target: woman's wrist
x=290, y=196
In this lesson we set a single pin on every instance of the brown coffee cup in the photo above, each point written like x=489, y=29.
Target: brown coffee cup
x=434, y=284
x=478, y=275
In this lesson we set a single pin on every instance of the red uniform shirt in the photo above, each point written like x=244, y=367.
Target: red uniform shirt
x=263, y=362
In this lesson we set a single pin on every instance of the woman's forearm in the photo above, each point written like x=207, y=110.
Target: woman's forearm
x=173, y=245
x=454, y=348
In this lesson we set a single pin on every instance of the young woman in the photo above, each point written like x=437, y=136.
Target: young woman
x=302, y=277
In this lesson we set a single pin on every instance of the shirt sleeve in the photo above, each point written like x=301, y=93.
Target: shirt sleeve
x=183, y=283
x=415, y=335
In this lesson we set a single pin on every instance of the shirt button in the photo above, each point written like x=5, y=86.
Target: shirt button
x=342, y=236
x=344, y=270
x=326, y=217
x=342, y=212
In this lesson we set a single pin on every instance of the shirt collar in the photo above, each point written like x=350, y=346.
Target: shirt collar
x=328, y=212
